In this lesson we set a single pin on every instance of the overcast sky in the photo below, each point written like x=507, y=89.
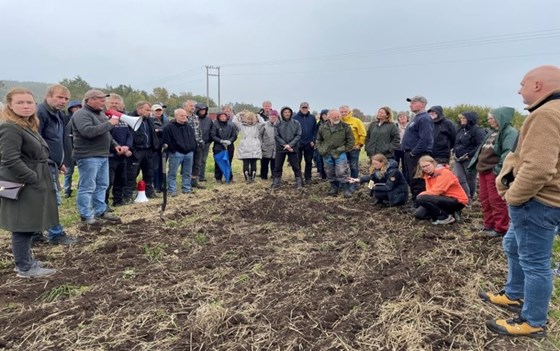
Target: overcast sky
x=364, y=53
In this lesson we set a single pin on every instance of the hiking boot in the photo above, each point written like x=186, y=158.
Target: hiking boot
x=299, y=183
x=450, y=219
x=276, y=183
x=515, y=327
x=173, y=194
x=36, y=272
x=502, y=300
x=92, y=221
x=63, y=240
x=457, y=216
x=38, y=238
x=108, y=217
x=333, y=190
x=195, y=184
x=308, y=181
x=109, y=209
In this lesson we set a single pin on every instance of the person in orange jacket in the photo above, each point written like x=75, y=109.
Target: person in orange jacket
x=444, y=197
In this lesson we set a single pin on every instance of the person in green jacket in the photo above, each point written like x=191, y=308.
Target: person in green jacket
x=488, y=161
x=334, y=141
x=383, y=135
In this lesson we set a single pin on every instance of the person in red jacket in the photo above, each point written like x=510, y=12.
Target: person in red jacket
x=444, y=197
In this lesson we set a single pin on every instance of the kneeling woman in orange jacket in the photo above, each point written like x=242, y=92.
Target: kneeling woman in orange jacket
x=443, y=197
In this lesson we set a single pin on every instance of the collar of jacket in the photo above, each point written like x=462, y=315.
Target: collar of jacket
x=554, y=95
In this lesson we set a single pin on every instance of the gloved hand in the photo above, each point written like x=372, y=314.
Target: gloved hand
x=226, y=143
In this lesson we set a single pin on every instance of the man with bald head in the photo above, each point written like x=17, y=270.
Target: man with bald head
x=530, y=184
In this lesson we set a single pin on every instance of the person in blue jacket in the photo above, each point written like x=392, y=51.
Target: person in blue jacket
x=309, y=129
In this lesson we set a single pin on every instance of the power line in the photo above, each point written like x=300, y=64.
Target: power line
x=410, y=49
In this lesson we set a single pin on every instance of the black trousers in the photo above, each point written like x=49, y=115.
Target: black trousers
x=306, y=152
x=438, y=207
x=250, y=166
x=117, y=179
x=293, y=159
x=197, y=161
x=141, y=160
x=266, y=163
x=417, y=185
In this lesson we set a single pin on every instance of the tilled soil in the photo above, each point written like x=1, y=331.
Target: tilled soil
x=241, y=268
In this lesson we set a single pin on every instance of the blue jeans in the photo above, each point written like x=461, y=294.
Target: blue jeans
x=68, y=178
x=57, y=230
x=354, y=162
x=186, y=162
x=92, y=185
x=528, y=248
x=336, y=169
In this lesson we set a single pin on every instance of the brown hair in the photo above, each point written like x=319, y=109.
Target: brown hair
x=379, y=158
x=389, y=113
x=31, y=122
x=57, y=87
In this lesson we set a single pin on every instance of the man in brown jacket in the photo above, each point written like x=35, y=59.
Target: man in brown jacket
x=530, y=184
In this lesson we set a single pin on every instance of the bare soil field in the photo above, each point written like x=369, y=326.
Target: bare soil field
x=237, y=267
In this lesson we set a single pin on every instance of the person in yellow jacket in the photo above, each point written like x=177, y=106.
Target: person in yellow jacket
x=359, y=133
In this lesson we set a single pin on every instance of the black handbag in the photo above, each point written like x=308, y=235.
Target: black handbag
x=10, y=190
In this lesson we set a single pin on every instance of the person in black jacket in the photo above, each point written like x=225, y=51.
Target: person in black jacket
x=445, y=132
x=201, y=110
x=224, y=134
x=145, y=145
x=287, y=135
x=469, y=137
x=386, y=183
x=70, y=164
x=181, y=143
x=159, y=120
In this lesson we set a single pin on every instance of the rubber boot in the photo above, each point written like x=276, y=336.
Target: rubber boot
x=276, y=183
x=253, y=176
x=347, y=190
x=333, y=190
x=299, y=183
x=247, y=178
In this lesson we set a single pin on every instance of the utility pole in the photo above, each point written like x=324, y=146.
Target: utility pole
x=212, y=71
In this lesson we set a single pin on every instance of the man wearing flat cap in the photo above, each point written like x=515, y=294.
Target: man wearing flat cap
x=418, y=140
x=92, y=142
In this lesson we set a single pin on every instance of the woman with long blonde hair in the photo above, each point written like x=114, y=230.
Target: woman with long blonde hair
x=24, y=155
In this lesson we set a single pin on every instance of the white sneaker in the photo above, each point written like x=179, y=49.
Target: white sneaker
x=450, y=219
x=36, y=272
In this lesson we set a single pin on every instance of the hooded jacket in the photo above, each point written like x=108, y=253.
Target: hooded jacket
x=358, y=129
x=268, y=140
x=68, y=161
x=249, y=146
x=534, y=165
x=205, y=122
x=469, y=137
x=505, y=141
x=222, y=131
x=334, y=139
x=287, y=131
x=445, y=133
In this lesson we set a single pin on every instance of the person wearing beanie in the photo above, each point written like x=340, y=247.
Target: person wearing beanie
x=287, y=135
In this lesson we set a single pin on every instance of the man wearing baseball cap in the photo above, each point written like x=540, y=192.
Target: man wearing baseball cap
x=92, y=140
x=417, y=141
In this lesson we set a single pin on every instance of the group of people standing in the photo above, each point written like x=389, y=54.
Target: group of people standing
x=518, y=172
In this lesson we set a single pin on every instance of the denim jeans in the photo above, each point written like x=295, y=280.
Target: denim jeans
x=57, y=230
x=92, y=185
x=68, y=178
x=186, y=162
x=354, y=163
x=336, y=169
x=528, y=248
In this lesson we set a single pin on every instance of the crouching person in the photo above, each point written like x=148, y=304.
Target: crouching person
x=443, y=198
x=387, y=184
x=334, y=141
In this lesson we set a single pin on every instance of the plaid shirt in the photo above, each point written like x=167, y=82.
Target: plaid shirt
x=194, y=122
